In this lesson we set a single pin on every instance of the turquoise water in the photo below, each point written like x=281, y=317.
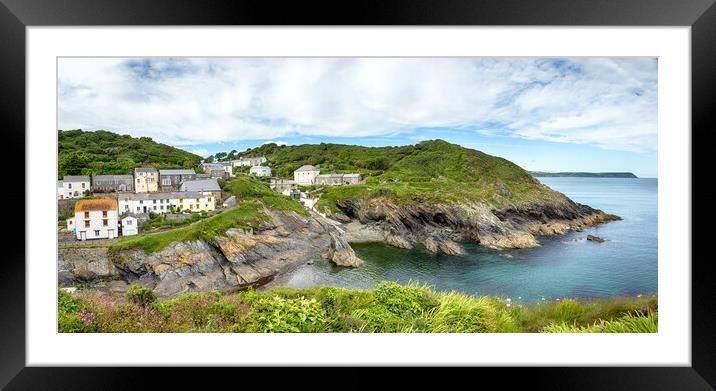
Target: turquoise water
x=563, y=266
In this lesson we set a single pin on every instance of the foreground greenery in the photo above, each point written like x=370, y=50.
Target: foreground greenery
x=252, y=197
x=103, y=152
x=388, y=308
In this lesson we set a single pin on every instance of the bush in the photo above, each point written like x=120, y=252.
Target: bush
x=409, y=301
x=140, y=296
x=279, y=315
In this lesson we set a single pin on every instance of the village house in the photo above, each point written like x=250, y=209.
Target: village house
x=171, y=179
x=74, y=186
x=352, y=179
x=329, y=179
x=95, y=219
x=334, y=179
x=60, y=190
x=192, y=201
x=260, y=171
x=204, y=186
x=222, y=170
x=112, y=183
x=146, y=179
x=248, y=161
x=130, y=225
x=306, y=175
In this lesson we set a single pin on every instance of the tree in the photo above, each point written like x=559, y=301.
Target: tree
x=209, y=159
x=220, y=155
x=74, y=162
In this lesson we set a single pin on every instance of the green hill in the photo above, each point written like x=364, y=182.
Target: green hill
x=103, y=152
x=432, y=170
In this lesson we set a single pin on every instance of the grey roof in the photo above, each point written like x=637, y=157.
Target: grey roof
x=75, y=178
x=333, y=175
x=176, y=171
x=60, y=184
x=145, y=169
x=200, y=185
x=351, y=175
x=159, y=195
x=113, y=177
x=261, y=168
x=308, y=167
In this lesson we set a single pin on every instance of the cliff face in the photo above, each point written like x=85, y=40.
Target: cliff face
x=439, y=226
x=232, y=261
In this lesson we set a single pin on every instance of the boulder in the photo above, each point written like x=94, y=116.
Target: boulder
x=596, y=239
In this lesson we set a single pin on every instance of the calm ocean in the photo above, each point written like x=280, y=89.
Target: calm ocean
x=564, y=266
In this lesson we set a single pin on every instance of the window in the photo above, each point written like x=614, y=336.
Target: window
x=138, y=209
x=141, y=201
x=137, y=180
x=155, y=207
x=104, y=222
x=86, y=224
x=96, y=233
x=128, y=222
x=208, y=199
x=87, y=214
x=104, y=213
x=69, y=185
x=154, y=201
x=83, y=185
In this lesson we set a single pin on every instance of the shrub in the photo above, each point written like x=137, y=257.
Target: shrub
x=409, y=300
x=630, y=323
x=140, y=296
x=279, y=315
x=459, y=313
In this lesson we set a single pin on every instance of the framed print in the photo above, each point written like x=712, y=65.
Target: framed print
x=471, y=184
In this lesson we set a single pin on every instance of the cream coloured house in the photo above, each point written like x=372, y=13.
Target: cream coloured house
x=306, y=175
x=95, y=219
x=146, y=179
x=260, y=171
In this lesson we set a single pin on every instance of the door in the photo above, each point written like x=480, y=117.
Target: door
x=145, y=209
x=83, y=235
x=110, y=233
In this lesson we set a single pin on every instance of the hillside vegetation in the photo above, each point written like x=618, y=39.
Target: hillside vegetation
x=103, y=152
x=432, y=171
x=388, y=308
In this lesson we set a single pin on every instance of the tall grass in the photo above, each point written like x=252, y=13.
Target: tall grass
x=388, y=308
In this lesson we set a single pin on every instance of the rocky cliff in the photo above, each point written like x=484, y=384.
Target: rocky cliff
x=235, y=260
x=438, y=227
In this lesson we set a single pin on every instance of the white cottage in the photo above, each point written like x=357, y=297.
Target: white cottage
x=260, y=171
x=74, y=186
x=306, y=175
x=95, y=219
x=129, y=225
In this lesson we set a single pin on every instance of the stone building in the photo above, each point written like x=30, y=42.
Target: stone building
x=112, y=183
x=306, y=175
x=171, y=179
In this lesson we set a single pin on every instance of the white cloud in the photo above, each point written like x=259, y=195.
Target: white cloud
x=605, y=102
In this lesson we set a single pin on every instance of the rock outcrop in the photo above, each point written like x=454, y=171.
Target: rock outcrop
x=234, y=260
x=439, y=227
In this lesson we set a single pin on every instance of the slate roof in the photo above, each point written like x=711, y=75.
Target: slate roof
x=200, y=185
x=75, y=178
x=308, y=167
x=173, y=171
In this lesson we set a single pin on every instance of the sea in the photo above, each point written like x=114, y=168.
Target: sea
x=567, y=266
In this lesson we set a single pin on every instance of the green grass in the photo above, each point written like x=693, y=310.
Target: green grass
x=388, y=308
x=247, y=215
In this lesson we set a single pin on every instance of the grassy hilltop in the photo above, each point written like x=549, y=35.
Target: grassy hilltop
x=388, y=308
x=103, y=152
x=432, y=171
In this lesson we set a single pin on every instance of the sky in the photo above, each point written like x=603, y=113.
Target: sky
x=544, y=114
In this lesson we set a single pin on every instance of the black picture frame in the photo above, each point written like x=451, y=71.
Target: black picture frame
x=16, y=15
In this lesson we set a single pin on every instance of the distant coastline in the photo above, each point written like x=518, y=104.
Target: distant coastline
x=584, y=174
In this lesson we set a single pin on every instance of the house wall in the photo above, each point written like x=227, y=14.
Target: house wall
x=260, y=171
x=305, y=177
x=97, y=228
x=74, y=189
x=206, y=202
x=129, y=227
x=145, y=182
